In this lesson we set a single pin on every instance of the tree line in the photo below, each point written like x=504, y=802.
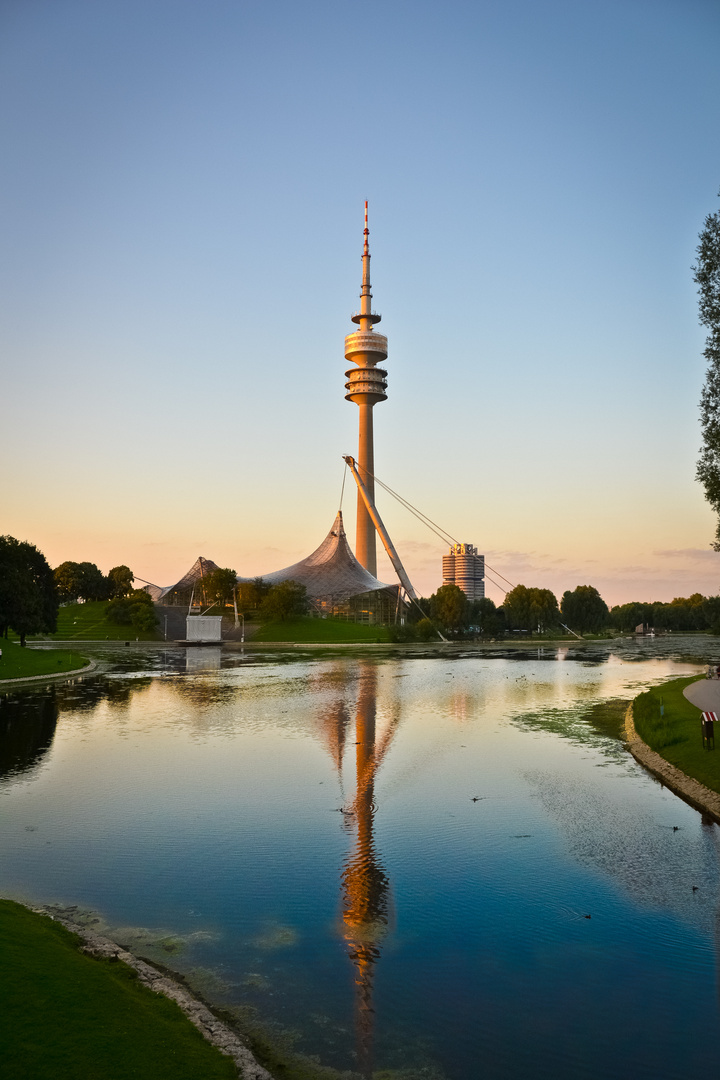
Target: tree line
x=84, y=581
x=534, y=610
x=525, y=609
x=31, y=592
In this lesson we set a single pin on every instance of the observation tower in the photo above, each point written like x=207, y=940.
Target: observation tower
x=366, y=386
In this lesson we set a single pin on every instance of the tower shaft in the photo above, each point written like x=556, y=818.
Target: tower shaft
x=366, y=386
x=365, y=545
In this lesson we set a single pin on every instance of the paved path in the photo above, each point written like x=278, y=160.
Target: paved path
x=704, y=694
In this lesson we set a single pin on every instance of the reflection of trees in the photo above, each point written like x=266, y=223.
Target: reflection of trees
x=85, y=694
x=29, y=718
x=27, y=729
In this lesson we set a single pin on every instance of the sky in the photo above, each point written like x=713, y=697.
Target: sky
x=181, y=214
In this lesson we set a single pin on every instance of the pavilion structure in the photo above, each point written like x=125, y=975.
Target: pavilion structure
x=336, y=584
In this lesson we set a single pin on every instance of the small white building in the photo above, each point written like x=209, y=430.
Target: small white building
x=204, y=627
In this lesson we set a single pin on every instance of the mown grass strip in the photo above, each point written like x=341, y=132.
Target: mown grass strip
x=675, y=732
x=89, y=622
x=65, y=1014
x=304, y=628
x=17, y=662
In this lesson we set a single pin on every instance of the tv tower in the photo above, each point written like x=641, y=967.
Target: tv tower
x=366, y=386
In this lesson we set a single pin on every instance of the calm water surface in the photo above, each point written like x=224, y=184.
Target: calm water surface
x=387, y=862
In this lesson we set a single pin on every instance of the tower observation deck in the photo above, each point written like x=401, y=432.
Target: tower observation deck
x=366, y=385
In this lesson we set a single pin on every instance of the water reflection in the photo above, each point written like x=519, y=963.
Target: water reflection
x=202, y=801
x=206, y=658
x=365, y=885
x=27, y=729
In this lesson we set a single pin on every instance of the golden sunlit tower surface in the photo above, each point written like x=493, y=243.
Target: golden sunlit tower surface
x=366, y=386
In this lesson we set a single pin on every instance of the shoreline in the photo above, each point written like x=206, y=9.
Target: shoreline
x=171, y=985
x=691, y=791
x=50, y=676
x=230, y=643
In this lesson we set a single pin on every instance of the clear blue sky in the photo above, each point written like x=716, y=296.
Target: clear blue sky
x=181, y=212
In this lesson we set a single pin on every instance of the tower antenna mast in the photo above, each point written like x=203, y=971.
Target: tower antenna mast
x=367, y=384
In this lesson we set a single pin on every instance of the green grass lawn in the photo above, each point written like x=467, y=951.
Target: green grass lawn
x=676, y=736
x=19, y=663
x=87, y=622
x=303, y=628
x=66, y=1015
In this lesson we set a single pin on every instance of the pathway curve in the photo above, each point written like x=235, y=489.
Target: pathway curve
x=704, y=694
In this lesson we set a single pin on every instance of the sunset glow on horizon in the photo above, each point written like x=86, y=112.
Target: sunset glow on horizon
x=182, y=222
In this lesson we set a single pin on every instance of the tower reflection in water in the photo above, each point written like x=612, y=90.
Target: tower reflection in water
x=366, y=903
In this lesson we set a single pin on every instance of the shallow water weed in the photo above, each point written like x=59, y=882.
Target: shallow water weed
x=158, y=943
x=276, y=936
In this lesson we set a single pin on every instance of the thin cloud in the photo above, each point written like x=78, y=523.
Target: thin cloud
x=696, y=554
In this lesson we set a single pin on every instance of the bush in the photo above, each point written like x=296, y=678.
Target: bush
x=134, y=610
x=423, y=630
x=284, y=600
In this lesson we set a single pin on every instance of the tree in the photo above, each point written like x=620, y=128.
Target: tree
x=707, y=277
x=711, y=610
x=250, y=594
x=28, y=597
x=77, y=581
x=136, y=610
x=531, y=609
x=67, y=581
x=283, y=600
x=120, y=582
x=93, y=583
x=450, y=606
x=487, y=617
x=219, y=585
x=584, y=609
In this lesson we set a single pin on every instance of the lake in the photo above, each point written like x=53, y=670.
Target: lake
x=419, y=864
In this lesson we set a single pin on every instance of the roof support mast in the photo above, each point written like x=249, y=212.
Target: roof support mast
x=381, y=530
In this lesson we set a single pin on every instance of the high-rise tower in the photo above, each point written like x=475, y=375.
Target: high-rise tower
x=463, y=567
x=367, y=385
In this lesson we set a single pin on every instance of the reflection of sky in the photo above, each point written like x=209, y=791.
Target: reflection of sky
x=210, y=802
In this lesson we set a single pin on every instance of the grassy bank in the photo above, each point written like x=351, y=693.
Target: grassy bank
x=87, y=622
x=19, y=663
x=676, y=735
x=64, y=1014
x=303, y=628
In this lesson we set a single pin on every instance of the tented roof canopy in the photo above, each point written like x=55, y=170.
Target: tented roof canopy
x=199, y=569
x=332, y=572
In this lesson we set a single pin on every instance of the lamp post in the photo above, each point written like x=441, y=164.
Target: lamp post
x=238, y=615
